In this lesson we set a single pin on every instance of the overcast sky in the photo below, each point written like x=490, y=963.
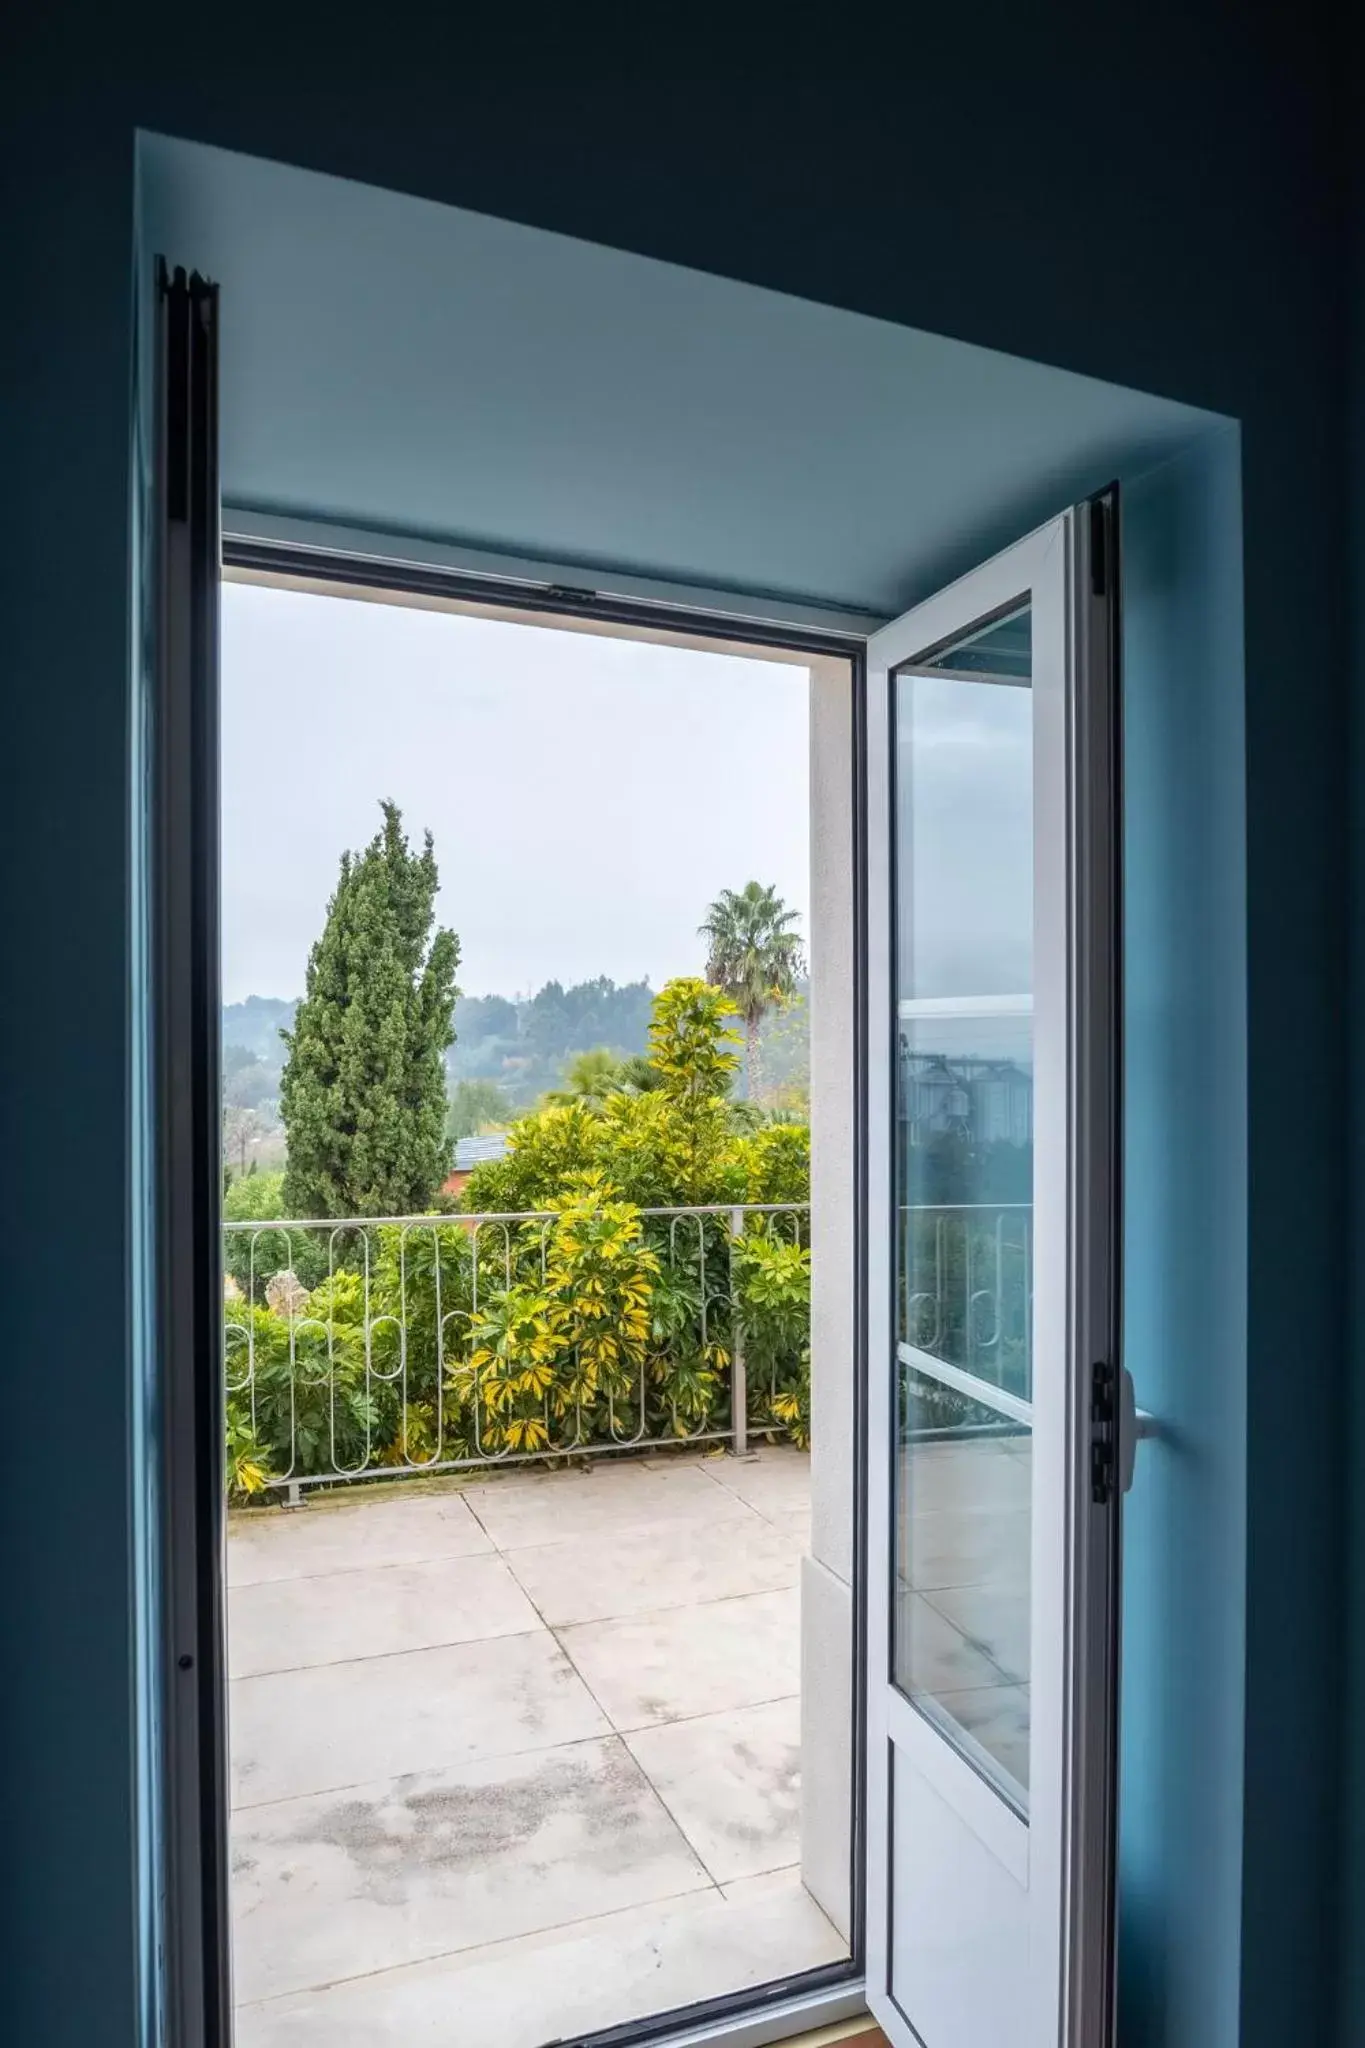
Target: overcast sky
x=588, y=797
x=964, y=837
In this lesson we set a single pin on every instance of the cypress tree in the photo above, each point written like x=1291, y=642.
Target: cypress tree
x=363, y=1095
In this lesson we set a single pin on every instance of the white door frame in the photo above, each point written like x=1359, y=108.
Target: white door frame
x=390, y=557
x=1063, y=1855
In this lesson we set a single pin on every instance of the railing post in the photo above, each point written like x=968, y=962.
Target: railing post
x=739, y=1383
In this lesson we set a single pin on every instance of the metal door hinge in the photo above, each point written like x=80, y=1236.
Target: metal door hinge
x=1099, y=549
x=1104, y=1465
x=1116, y=1424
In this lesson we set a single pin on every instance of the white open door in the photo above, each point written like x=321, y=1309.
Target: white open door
x=996, y=1406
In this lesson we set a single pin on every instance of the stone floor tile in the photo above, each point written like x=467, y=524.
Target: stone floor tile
x=608, y=1500
x=333, y=1725
x=600, y=1973
x=301, y=1542
x=289, y=1623
x=773, y=1480
x=732, y=1782
x=342, y=1884
x=594, y=1577
x=691, y=1660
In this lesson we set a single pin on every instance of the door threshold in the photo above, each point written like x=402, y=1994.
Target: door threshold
x=861, y=2031
x=837, y=2014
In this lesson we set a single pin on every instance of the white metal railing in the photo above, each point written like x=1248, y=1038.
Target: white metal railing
x=965, y=1306
x=351, y=1345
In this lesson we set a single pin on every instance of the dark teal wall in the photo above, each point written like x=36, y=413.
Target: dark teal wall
x=1352, y=1902
x=1139, y=193
x=66, y=1839
x=1185, y=1248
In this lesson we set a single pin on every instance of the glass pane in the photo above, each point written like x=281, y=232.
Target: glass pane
x=1004, y=648
x=964, y=1165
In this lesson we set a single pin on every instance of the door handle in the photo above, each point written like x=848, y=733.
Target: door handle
x=1134, y=1424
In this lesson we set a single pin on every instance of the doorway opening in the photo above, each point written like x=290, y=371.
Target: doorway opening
x=538, y=1258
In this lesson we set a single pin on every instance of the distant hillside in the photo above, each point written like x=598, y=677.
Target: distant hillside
x=522, y=1048
x=253, y=1061
x=255, y=1026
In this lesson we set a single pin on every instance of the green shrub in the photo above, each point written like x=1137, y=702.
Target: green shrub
x=252, y=1257
x=773, y=1278
x=416, y=1343
x=776, y=1162
x=299, y=1398
x=679, y=1142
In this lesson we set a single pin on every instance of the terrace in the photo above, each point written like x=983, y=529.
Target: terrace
x=518, y=1753
x=518, y=1734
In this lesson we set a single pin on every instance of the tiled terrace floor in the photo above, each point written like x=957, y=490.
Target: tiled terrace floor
x=517, y=1759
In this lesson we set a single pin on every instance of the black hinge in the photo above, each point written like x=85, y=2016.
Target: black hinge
x=1099, y=549
x=174, y=288
x=1103, y=1433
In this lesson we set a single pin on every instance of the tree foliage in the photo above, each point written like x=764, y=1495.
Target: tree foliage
x=560, y=1020
x=408, y=1345
x=527, y=1046
x=591, y=1077
x=755, y=956
x=671, y=1137
x=475, y=1106
x=363, y=1092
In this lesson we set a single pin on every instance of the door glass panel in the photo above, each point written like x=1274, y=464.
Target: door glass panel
x=1004, y=648
x=964, y=1174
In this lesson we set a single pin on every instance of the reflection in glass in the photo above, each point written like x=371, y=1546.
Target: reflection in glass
x=1004, y=648
x=964, y=1169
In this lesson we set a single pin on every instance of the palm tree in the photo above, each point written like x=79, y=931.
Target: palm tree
x=589, y=1077
x=755, y=956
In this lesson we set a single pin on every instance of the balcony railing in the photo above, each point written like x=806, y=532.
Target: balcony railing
x=366, y=1348
x=965, y=1311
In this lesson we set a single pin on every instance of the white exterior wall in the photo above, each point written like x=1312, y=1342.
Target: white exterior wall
x=827, y=1574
